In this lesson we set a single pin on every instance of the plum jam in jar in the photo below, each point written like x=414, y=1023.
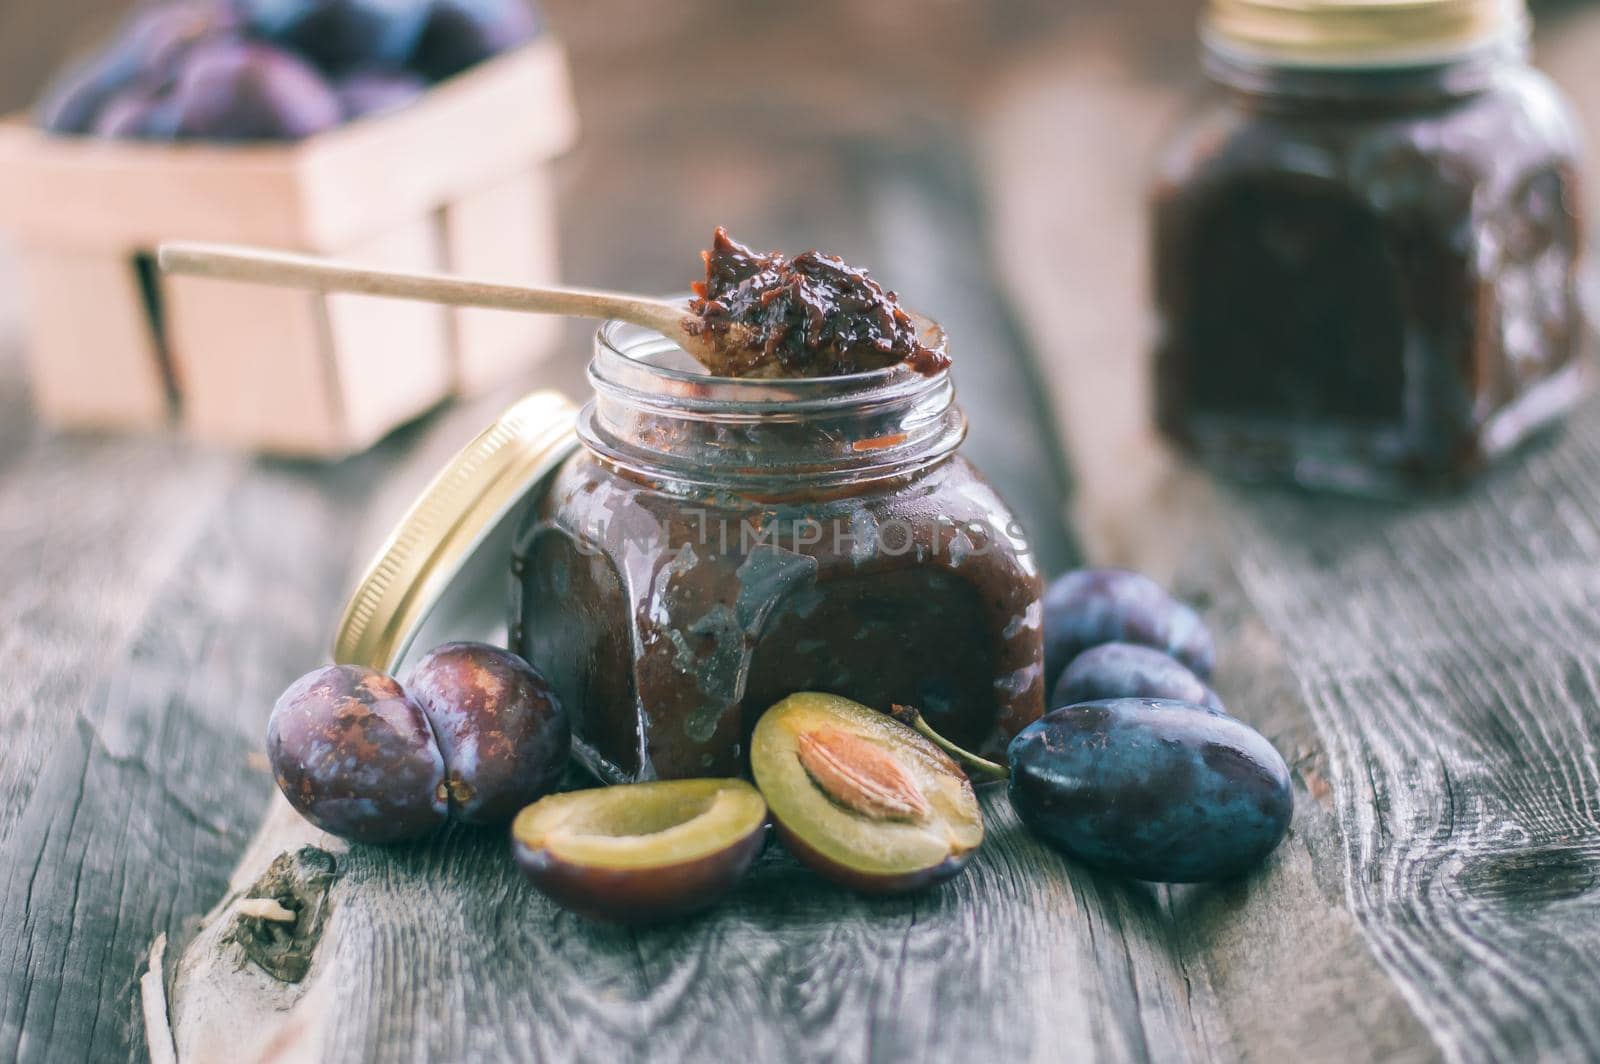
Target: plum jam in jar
x=1366, y=245
x=717, y=544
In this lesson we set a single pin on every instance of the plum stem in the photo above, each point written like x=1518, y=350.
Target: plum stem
x=975, y=765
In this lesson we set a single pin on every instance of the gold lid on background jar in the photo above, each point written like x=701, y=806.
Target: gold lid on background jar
x=443, y=573
x=1358, y=33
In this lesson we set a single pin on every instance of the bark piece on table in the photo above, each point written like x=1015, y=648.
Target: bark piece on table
x=279, y=921
x=153, y=999
x=224, y=1002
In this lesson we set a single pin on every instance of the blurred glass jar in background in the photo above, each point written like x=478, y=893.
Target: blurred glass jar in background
x=1366, y=245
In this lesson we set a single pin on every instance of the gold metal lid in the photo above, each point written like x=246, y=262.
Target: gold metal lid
x=1361, y=32
x=444, y=569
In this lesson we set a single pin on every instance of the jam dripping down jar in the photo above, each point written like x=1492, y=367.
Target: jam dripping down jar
x=1366, y=246
x=717, y=544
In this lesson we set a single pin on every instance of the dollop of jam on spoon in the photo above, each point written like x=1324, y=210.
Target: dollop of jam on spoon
x=813, y=315
x=754, y=315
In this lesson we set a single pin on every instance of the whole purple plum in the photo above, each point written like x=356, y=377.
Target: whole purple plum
x=1088, y=607
x=340, y=35
x=136, y=114
x=504, y=736
x=242, y=91
x=462, y=33
x=372, y=92
x=356, y=757
x=144, y=56
x=1156, y=790
x=1128, y=670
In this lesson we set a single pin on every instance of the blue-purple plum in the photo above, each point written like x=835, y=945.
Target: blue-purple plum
x=1155, y=790
x=356, y=757
x=247, y=91
x=462, y=33
x=1088, y=607
x=374, y=92
x=143, y=56
x=136, y=114
x=504, y=735
x=340, y=35
x=1128, y=670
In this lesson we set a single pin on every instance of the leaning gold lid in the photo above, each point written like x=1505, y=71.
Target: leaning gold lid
x=443, y=571
x=1361, y=32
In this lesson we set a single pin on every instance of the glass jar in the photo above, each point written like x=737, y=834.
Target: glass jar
x=1366, y=245
x=717, y=544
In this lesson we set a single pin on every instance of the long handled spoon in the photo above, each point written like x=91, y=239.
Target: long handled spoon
x=285, y=269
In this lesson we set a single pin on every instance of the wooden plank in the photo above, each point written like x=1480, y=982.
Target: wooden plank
x=159, y=600
x=1434, y=663
x=157, y=597
x=1448, y=657
x=1293, y=976
x=147, y=791
x=118, y=799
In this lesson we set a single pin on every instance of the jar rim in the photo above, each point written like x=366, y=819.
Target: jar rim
x=761, y=437
x=1445, y=75
x=619, y=367
x=1356, y=35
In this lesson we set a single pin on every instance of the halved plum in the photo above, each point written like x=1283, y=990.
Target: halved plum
x=643, y=852
x=862, y=799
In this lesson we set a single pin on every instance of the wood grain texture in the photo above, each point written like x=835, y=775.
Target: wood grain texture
x=1439, y=887
x=788, y=969
x=127, y=781
x=1457, y=710
x=1428, y=670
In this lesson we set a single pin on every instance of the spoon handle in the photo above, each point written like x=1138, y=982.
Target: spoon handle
x=231, y=262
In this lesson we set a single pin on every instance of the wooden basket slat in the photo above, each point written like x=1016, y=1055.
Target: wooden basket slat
x=93, y=357
x=505, y=231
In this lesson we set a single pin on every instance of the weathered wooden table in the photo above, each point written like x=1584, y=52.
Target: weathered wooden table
x=1432, y=671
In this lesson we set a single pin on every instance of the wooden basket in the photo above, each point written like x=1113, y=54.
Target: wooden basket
x=458, y=181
